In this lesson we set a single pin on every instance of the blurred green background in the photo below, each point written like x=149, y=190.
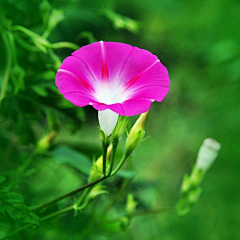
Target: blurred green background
x=198, y=42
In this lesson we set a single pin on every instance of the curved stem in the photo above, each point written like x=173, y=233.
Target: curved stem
x=85, y=192
x=24, y=30
x=26, y=45
x=68, y=194
x=124, y=157
x=67, y=209
x=55, y=58
x=65, y=45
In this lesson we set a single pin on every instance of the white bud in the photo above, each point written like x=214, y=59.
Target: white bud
x=107, y=121
x=207, y=154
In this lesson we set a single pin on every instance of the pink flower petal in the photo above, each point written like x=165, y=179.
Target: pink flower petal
x=156, y=74
x=113, y=76
x=116, y=56
x=138, y=61
x=157, y=93
x=79, y=99
x=91, y=55
x=128, y=108
x=104, y=59
x=74, y=76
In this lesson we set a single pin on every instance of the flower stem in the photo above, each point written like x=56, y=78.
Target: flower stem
x=114, y=149
x=124, y=157
x=105, y=145
x=68, y=194
x=65, y=45
x=67, y=209
x=85, y=192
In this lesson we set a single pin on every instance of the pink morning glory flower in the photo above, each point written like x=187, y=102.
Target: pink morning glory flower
x=115, y=78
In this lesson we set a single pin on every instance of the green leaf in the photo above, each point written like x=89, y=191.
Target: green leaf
x=67, y=155
x=12, y=208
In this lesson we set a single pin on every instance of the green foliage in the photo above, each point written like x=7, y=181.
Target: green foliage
x=13, y=210
x=199, y=45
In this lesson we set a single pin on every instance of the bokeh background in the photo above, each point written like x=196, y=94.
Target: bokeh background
x=199, y=43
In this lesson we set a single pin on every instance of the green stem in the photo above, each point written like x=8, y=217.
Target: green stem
x=105, y=145
x=114, y=149
x=68, y=194
x=46, y=34
x=67, y=209
x=65, y=45
x=24, y=30
x=6, y=39
x=85, y=192
x=26, y=45
x=124, y=157
x=55, y=58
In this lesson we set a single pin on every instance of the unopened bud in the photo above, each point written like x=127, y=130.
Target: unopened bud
x=121, y=126
x=45, y=9
x=45, y=142
x=55, y=17
x=207, y=154
x=136, y=133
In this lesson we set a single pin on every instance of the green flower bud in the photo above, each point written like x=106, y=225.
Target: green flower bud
x=136, y=133
x=121, y=126
x=44, y=144
x=45, y=9
x=55, y=17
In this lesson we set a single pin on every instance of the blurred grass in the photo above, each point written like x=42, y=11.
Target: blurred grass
x=199, y=44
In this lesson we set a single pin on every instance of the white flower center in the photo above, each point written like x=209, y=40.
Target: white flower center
x=110, y=93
